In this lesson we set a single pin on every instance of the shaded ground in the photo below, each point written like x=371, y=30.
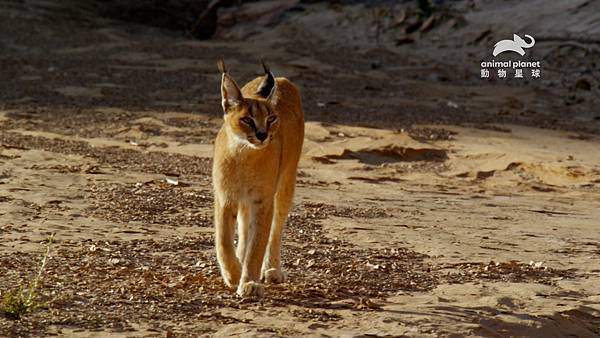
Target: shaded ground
x=428, y=204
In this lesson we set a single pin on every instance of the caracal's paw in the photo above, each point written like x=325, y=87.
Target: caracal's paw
x=274, y=276
x=252, y=290
x=231, y=278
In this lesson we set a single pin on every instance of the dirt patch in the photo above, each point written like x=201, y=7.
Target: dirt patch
x=392, y=154
x=150, y=162
x=112, y=123
x=112, y=285
x=154, y=202
x=512, y=271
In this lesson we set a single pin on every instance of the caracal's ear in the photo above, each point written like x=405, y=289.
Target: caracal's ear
x=231, y=95
x=268, y=86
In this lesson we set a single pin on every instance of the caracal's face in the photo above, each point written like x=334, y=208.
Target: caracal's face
x=253, y=122
x=250, y=121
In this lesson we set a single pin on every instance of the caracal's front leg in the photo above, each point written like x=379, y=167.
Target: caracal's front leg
x=224, y=233
x=258, y=237
x=271, y=269
x=243, y=224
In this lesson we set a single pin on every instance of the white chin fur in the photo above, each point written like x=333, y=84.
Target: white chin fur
x=260, y=146
x=237, y=141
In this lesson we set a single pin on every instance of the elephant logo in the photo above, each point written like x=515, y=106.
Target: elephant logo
x=515, y=45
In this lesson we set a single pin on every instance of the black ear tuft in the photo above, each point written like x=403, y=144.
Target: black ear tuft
x=265, y=68
x=230, y=92
x=221, y=65
x=268, y=84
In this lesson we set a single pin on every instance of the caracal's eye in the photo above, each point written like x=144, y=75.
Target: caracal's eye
x=271, y=119
x=247, y=121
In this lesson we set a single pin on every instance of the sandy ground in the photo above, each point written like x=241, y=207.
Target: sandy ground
x=429, y=202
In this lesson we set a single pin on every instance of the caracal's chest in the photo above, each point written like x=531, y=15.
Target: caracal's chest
x=238, y=173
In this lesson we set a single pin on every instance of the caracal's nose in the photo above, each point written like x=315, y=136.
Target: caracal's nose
x=261, y=136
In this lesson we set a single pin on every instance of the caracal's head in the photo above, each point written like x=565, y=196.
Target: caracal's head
x=251, y=121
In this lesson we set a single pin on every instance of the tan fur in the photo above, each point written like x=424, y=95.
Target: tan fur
x=253, y=181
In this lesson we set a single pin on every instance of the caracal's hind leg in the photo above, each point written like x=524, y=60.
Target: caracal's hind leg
x=243, y=222
x=271, y=269
x=224, y=232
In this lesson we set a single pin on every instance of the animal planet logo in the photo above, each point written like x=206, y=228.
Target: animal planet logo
x=516, y=45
